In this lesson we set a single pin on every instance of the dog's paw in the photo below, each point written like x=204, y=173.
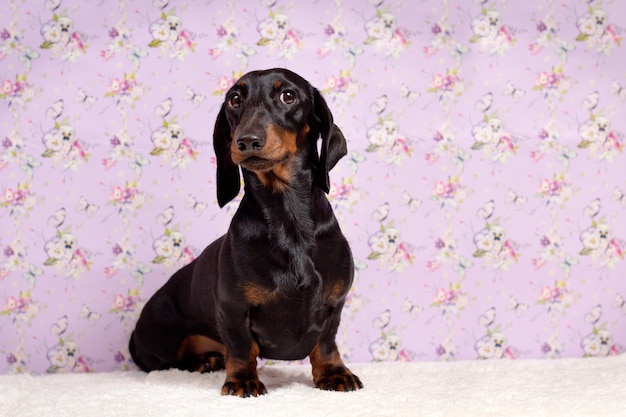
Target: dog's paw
x=340, y=379
x=244, y=388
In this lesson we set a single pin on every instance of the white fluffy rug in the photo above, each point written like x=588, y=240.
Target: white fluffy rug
x=565, y=387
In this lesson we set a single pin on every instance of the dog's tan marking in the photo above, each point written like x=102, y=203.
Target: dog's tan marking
x=277, y=84
x=336, y=291
x=256, y=294
x=199, y=345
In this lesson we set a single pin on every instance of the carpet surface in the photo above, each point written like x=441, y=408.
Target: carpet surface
x=564, y=387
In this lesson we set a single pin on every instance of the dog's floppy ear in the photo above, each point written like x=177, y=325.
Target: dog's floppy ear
x=228, y=180
x=333, y=142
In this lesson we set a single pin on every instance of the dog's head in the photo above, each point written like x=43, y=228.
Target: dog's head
x=270, y=120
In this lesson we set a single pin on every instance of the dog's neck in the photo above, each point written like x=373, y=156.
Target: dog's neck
x=292, y=217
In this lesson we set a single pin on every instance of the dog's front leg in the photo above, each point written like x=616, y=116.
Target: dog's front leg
x=242, y=378
x=329, y=371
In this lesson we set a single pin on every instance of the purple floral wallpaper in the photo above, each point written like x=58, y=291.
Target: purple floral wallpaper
x=483, y=194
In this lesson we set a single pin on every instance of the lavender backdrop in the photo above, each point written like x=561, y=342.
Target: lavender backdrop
x=483, y=195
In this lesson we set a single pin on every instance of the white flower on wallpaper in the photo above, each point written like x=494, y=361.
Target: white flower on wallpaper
x=491, y=34
x=62, y=39
x=493, y=140
x=64, y=253
x=278, y=35
x=596, y=31
x=65, y=355
x=385, y=35
x=171, y=247
x=493, y=245
x=63, y=146
x=171, y=144
x=386, y=245
x=494, y=344
x=598, y=136
x=600, y=341
x=169, y=36
x=601, y=245
x=388, y=348
x=386, y=140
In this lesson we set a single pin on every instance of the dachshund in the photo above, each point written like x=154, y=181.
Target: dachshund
x=274, y=285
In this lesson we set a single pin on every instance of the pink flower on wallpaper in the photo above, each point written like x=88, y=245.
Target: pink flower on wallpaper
x=224, y=83
x=554, y=190
x=19, y=200
x=557, y=298
x=21, y=308
x=451, y=301
x=127, y=198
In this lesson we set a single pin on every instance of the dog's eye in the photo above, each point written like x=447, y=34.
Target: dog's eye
x=288, y=97
x=234, y=101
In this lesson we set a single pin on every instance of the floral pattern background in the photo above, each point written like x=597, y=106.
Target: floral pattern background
x=483, y=195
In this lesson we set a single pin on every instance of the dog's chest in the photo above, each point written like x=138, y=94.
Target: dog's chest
x=288, y=326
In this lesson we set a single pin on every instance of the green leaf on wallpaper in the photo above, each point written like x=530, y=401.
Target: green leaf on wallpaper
x=374, y=256
x=369, y=40
x=155, y=43
x=585, y=252
x=582, y=37
x=48, y=153
x=46, y=45
x=157, y=151
x=478, y=146
x=584, y=144
x=479, y=253
x=475, y=38
x=263, y=42
x=163, y=15
x=159, y=259
x=51, y=262
x=372, y=148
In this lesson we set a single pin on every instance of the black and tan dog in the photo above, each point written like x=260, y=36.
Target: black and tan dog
x=275, y=284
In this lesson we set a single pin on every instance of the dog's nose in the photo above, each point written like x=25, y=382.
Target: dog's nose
x=250, y=143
